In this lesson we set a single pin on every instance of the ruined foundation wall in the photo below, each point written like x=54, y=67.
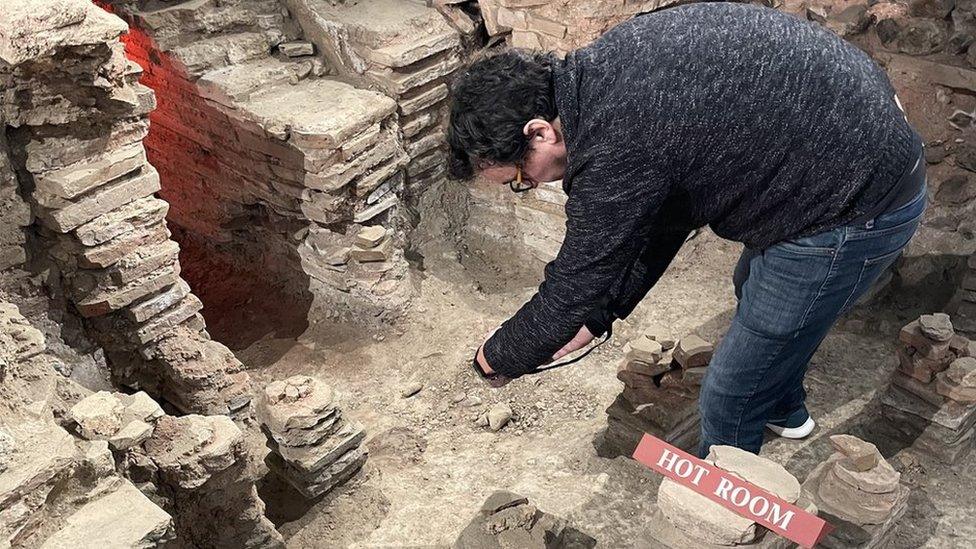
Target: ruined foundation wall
x=271, y=166
x=74, y=117
x=407, y=50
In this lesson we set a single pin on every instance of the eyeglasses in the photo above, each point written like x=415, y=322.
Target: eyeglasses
x=517, y=185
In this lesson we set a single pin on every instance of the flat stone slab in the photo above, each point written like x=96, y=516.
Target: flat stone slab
x=332, y=112
x=122, y=518
x=298, y=402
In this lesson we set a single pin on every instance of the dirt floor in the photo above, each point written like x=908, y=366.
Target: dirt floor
x=430, y=466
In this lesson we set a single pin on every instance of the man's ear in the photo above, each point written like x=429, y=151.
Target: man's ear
x=538, y=129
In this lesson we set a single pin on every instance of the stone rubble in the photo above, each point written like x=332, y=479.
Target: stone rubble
x=508, y=520
x=312, y=446
x=931, y=399
x=859, y=493
x=201, y=469
x=58, y=490
x=661, y=379
x=685, y=518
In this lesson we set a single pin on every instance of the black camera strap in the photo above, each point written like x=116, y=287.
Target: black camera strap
x=547, y=367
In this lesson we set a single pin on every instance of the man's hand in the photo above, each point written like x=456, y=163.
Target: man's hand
x=580, y=340
x=495, y=380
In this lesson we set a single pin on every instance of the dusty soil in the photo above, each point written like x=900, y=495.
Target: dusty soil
x=430, y=466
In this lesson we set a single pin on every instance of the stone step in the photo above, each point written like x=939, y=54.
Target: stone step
x=333, y=112
x=174, y=25
x=220, y=51
x=237, y=83
x=413, y=47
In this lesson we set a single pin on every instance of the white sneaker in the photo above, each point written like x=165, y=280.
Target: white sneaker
x=798, y=424
x=802, y=431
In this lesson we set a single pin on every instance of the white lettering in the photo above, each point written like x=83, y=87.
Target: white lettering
x=765, y=507
x=774, y=516
x=687, y=470
x=724, y=485
x=745, y=496
x=698, y=476
x=668, y=458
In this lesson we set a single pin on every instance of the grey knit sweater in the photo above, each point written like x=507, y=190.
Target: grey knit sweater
x=753, y=122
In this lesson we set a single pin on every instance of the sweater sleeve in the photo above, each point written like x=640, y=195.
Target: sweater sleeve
x=608, y=221
x=662, y=246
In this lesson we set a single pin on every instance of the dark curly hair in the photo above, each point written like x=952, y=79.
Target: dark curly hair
x=491, y=100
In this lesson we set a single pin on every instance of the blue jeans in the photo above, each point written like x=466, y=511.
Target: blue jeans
x=789, y=295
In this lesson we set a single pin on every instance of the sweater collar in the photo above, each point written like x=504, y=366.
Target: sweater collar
x=565, y=83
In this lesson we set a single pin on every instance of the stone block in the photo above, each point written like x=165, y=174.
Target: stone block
x=863, y=456
x=132, y=434
x=159, y=325
x=98, y=416
x=962, y=372
x=139, y=213
x=296, y=48
x=702, y=518
x=423, y=100
x=370, y=237
x=911, y=334
x=912, y=368
x=125, y=245
x=381, y=252
x=662, y=336
x=952, y=390
x=141, y=406
x=371, y=212
x=71, y=181
x=153, y=305
x=336, y=176
x=332, y=113
x=359, y=143
x=326, y=452
x=643, y=349
x=936, y=327
x=104, y=301
x=298, y=402
x=396, y=83
x=387, y=176
x=121, y=517
x=64, y=216
x=413, y=47
x=693, y=352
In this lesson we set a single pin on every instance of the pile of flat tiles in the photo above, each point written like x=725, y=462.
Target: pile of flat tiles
x=859, y=493
x=312, y=446
x=405, y=49
x=661, y=380
x=931, y=399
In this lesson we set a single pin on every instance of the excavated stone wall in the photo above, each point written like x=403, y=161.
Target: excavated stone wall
x=270, y=163
x=74, y=119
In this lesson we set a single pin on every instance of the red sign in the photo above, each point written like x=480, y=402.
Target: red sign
x=733, y=493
